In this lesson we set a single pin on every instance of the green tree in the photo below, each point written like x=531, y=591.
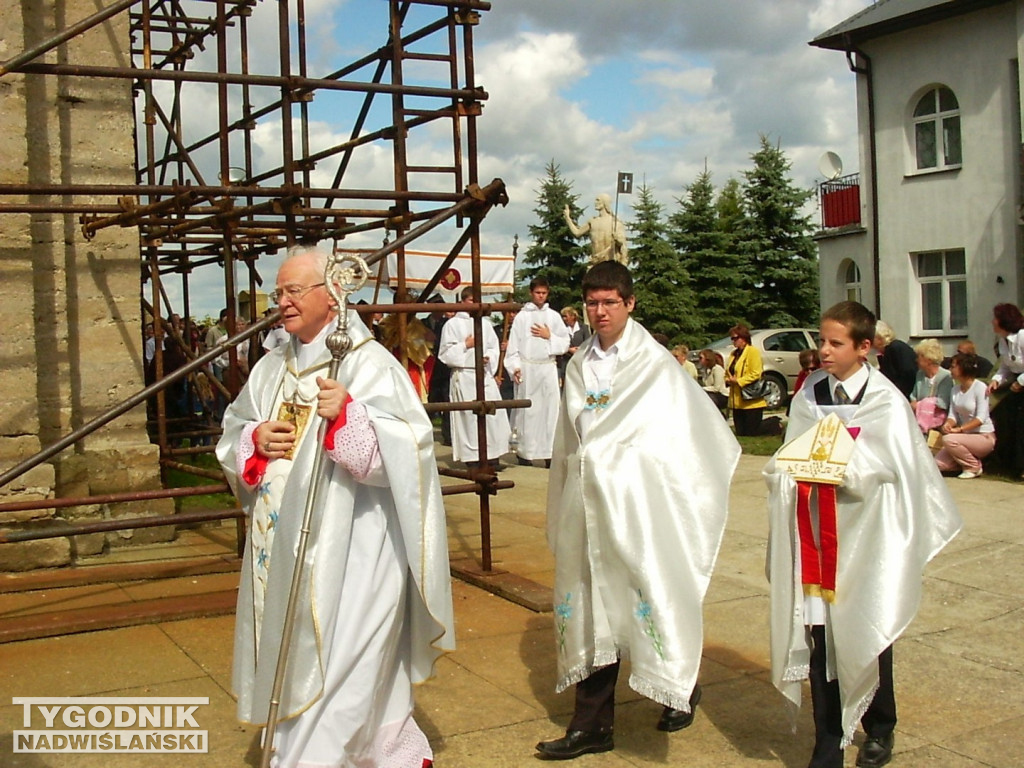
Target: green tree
x=664, y=299
x=554, y=253
x=707, y=253
x=775, y=237
x=729, y=212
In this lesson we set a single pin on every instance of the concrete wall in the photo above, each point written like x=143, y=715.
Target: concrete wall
x=70, y=344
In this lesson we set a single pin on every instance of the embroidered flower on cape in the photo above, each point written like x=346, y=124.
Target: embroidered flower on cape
x=598, y=400
x=563, y=611
x=644, y=616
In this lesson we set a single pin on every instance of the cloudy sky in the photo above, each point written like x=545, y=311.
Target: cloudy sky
x=655, y=87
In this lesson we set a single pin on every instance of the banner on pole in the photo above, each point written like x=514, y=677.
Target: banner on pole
x=497, y=272
x=625, y=183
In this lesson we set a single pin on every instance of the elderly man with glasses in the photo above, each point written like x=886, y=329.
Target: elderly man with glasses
x=375, y=607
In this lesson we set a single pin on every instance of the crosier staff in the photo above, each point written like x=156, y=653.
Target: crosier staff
x=340, y=281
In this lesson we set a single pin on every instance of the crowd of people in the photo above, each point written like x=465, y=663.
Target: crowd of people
x=952, y=402
x=967, y=421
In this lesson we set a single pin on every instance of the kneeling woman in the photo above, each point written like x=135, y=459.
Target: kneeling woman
x=968, y=435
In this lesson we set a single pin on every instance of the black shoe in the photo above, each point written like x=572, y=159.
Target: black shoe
x=524, y=462
x=677, y=719
x=576, y=743
x=875, y=752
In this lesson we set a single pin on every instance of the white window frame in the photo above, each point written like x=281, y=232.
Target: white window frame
x=854, y=285
x=938, y=119
x=946, y=282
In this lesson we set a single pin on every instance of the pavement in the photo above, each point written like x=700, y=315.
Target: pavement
x=959, y=668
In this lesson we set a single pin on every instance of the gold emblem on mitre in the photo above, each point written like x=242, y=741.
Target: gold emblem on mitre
x=820, y=454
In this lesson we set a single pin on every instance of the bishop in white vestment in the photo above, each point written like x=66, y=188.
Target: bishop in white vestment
x=375, y=606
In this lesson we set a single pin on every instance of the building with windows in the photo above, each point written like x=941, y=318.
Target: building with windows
x=928, y=234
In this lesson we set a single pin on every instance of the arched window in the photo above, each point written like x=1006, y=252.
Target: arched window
x=937, y=130
x=851, y=282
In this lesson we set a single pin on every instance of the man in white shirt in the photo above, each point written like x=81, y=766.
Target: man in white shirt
x=457, y=350
x=537, y=338
x=639, y=439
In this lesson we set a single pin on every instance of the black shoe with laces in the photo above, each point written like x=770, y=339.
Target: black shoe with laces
x=576, y=743
x=875, y=752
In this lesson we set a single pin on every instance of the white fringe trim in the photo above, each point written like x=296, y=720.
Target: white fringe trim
x=659, y=694
x=796, y=674
x=581, y=672
x=862, y=707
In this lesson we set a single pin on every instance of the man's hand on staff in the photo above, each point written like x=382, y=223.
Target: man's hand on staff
x=274, y=438
x=331, y=398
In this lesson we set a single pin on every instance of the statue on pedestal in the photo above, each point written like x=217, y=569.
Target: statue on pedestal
x=607, y=232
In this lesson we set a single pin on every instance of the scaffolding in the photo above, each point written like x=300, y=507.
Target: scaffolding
x=212, y=191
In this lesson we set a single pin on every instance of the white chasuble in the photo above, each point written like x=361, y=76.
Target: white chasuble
x=374, y=609
x=636, y=512
x=894, y=513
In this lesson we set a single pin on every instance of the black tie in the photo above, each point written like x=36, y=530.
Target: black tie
x=841, y=397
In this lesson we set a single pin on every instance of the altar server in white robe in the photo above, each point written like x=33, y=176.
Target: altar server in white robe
x=637, y=505
x=537, y=337
x=846, y=572
x=375, y=607
x=457, y=350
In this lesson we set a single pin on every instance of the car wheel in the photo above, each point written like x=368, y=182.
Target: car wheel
x=777, y=394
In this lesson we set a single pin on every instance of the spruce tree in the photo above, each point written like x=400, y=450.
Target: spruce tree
x=554, y=253
x=715, y=270
x=664, y=299
x=775, y=237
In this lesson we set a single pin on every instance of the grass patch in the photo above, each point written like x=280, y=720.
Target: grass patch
x=762, y=445
x=177, y=478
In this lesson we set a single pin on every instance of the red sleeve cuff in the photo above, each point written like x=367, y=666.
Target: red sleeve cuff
x=333, y=427
x=255, y=467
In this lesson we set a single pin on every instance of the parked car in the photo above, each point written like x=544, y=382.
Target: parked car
x=780, y=353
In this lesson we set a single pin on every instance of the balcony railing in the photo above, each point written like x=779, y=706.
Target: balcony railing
x=840, y=201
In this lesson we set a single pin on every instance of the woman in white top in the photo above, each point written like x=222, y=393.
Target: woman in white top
x=1008, y=415
x=968, y=435
x=712, y=378
x=933, y=387
x=681, y=353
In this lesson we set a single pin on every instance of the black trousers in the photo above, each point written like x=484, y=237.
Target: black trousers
x=595, y=701
x=747, y=421
x=878, y=721
x=1008, y=418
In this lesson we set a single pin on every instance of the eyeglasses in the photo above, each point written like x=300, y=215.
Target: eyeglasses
x=293, y=292
x=734, y=338
x=605, y=304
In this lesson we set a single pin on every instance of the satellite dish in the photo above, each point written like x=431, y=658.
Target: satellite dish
x=830, y=165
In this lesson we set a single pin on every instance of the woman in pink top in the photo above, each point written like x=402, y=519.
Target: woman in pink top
x=968, y=435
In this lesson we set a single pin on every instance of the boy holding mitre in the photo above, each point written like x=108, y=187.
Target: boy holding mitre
x=848, y=548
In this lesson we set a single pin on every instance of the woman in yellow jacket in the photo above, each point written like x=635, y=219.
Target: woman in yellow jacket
x=744, y=367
